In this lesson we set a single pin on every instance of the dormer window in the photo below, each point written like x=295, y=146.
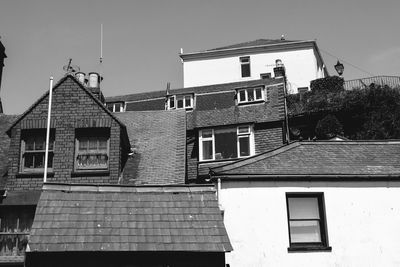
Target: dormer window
x=116, y=107
x=92, y=149
x=180, y=102
x=33, y=148
x=251, y=95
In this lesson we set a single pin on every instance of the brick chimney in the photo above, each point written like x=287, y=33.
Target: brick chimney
x=92, y=83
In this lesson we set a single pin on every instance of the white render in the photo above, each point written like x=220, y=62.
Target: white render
x=363, y=223
x=303, y=64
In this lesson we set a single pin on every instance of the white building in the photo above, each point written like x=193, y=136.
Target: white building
x=255, y=60
x=332, y=203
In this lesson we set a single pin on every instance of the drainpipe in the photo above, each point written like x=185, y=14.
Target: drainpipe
x=46, y=154
x=219, y=193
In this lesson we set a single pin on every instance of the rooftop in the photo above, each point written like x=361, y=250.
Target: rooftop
x=322, y=158
x=258, y=42
x=126, y=218
x=158, y=140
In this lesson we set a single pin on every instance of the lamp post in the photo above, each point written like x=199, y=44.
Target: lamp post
x=339, y=68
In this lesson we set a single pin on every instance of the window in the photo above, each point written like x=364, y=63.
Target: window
x=92, y=149
x=226, y=143
x=33, y=147
x=115, y=107
x=180, y=102
x=250, y=95
x=15, y=225
x=265, y=75
x=306, y=218
x=245, y=66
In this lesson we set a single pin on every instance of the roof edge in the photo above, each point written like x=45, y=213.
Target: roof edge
x=308, y=177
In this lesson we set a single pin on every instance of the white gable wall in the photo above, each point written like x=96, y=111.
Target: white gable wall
x=363, y=221
x=301, y=68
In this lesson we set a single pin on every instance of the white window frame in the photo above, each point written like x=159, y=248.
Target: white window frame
x=246, y=90
x=184, y=98
x=121, y=109
x=249, y=133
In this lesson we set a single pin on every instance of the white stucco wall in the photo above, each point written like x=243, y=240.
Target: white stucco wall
x=301, y=68
x=363, y=224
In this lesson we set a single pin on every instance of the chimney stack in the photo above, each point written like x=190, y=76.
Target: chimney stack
x=92, y=83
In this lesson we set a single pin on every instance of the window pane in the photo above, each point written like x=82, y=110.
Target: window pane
x=206, y=133
x=40, y=143
x=50, y=160
x=303, y=208
x=172, y=102
x=117, y=107
x=246, y=70
x=38, y=160
x=242, y=96
x=305, y=231
x=29, y=144
x=83, y=144
x=188, y=101
x=258, y=93
x=102, y=143
x=250, y=95
x=28, y=161
x=244, y=146
x=92, y=143
x=225, y=143
x=207, y=149
x=110, y=107
x=179, y=103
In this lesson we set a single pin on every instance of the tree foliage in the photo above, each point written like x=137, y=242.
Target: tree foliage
x=370, y=113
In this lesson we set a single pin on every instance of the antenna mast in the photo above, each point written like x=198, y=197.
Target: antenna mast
x=101, y=53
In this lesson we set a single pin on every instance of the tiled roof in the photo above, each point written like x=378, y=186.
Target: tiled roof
x=258, y=42
x=115, y=218
x=158, y=139
x=5, y=122
x=192, y=90
x=324, y=158
x=271, y=110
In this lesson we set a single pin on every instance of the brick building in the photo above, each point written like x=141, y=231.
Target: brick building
x=97, y=161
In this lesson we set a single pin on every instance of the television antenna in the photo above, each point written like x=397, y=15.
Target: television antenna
x=71, y=68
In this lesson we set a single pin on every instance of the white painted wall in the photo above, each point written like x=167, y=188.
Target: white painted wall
x=301, y=68
x=363, y=224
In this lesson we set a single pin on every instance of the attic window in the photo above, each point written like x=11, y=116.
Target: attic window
x=92, y=149
x=115, y=107
x=245, y=66
x=180, y=102
x=250, y=95
x=33, y=147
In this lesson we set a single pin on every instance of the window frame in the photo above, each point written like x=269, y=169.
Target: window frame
x=245, y=68
x=88, y=133
x=246, y=100
x=323, y=230
x=25, y=134
x=114, y=106
x=174, y=99
x=249, y=134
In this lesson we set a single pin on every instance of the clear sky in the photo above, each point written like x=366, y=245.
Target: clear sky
x=142, y=39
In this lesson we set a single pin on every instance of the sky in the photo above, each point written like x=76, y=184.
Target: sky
x=142, y=39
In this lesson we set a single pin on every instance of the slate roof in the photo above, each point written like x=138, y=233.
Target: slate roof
x=258, y=42
x=322, y=158
x=5, y=122
x=191, y=90
x=116, y=218
x=158, y=139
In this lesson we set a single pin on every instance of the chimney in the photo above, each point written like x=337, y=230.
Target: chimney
x=279, y=70
x=80, y=76
x=93, y=85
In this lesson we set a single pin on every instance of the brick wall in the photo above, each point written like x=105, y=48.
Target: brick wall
x=72, y=108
